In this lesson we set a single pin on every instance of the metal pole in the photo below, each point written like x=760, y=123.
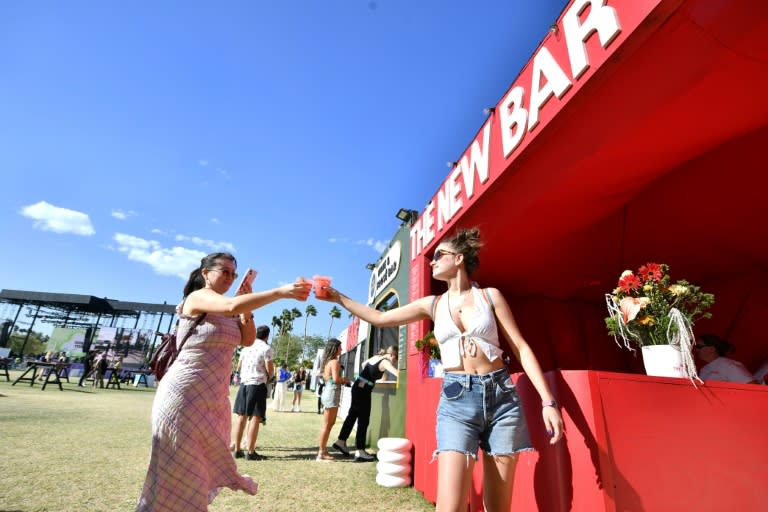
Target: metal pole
x=16, y=317
x=159, y=322
x=29, y=331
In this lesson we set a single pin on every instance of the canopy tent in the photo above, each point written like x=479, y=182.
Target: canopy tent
x=658, y=157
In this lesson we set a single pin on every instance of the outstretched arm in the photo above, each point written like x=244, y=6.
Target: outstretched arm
x=208, y=301
x=416, y=310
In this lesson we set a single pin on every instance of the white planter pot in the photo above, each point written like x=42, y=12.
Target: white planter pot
x=663, y=361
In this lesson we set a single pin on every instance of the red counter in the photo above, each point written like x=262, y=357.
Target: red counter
x=633, y=443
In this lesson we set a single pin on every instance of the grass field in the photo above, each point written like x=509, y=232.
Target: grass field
x=85, y=449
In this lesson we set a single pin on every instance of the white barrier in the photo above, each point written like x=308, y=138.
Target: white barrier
x=394, y=466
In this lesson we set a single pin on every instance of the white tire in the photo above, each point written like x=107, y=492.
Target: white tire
x=395, y=444
x=387, y=468
x=402, y=458
x=393, y=481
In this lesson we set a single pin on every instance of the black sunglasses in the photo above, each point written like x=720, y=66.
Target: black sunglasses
x=440, y=253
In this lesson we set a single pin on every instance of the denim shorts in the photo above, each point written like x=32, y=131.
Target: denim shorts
x=331, y=396
x=481, y=411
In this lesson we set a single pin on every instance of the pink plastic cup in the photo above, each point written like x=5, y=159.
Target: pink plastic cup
x=319, y=282
x=307, y=288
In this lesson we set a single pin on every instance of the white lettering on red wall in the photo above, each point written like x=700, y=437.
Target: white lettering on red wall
x=544, y=89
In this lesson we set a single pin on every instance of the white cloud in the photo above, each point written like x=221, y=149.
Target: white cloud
x=202, y=163
x=377, y=245
x=214, y=221
x=156, y=231
x=173, y=261
x=59, y=220
x=122, y=215
x=223, y=173
x=214, y=246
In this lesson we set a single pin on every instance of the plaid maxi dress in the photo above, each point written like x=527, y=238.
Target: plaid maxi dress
x=191, y=423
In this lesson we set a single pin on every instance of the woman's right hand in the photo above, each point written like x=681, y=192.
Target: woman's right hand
x=298, y=290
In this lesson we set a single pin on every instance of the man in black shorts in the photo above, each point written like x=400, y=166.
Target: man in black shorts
x=256, y=368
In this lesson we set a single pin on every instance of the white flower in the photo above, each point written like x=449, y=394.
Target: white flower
x=678, y=289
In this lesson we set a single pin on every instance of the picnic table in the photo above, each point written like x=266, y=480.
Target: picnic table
x=4, y=362
x=139, y=376
x=55, y=370
x=114, y=377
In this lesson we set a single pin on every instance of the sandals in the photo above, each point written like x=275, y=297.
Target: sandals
x=324, y=457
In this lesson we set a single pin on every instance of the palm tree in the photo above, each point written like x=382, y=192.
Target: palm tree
x=295, y=313
x=335, y=313
x=277, y=324
x=310, y=311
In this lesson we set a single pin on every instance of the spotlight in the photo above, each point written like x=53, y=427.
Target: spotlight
x=489, y=110
x=553, y=28
x=370, y=266
x=406, y=215
x=451, y=165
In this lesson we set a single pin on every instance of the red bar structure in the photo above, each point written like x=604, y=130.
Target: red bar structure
x=636, y=133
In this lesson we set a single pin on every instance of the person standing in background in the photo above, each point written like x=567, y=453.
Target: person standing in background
x=331, y=395
x=300, y=382
x=256, y=368
x=283, y=375
x=371, y=370
x=87, y=367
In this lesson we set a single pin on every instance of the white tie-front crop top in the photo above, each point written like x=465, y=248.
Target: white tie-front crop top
x=481, y=332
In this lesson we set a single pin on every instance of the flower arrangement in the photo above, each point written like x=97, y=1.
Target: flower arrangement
x=429, y=345
x=645, y=309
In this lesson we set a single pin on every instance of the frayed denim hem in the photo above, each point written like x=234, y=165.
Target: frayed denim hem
x=467, y=453
x=513, y=454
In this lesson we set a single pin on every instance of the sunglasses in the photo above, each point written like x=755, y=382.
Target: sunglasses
x=225, y=272
x=440, y=253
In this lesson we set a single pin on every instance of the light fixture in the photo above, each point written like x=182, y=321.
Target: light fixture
x=489, y=110
x=451, y=165
x=553, y=28
x=406, y=215
x=370, y=266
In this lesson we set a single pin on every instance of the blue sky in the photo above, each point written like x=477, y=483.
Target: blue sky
x=136, y=137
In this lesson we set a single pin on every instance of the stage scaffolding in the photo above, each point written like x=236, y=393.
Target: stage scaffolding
x=72, y=310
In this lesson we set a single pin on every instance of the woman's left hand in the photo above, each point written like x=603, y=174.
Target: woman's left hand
x=331, y=294
x=553, y=422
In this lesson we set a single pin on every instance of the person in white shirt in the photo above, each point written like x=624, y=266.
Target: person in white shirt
x=256, y=368
x=761, y=375
x=711, y=350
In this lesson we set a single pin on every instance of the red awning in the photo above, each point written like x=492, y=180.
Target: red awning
x=659, y=157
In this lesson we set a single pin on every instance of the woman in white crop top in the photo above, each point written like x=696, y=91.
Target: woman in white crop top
x=478, y=403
